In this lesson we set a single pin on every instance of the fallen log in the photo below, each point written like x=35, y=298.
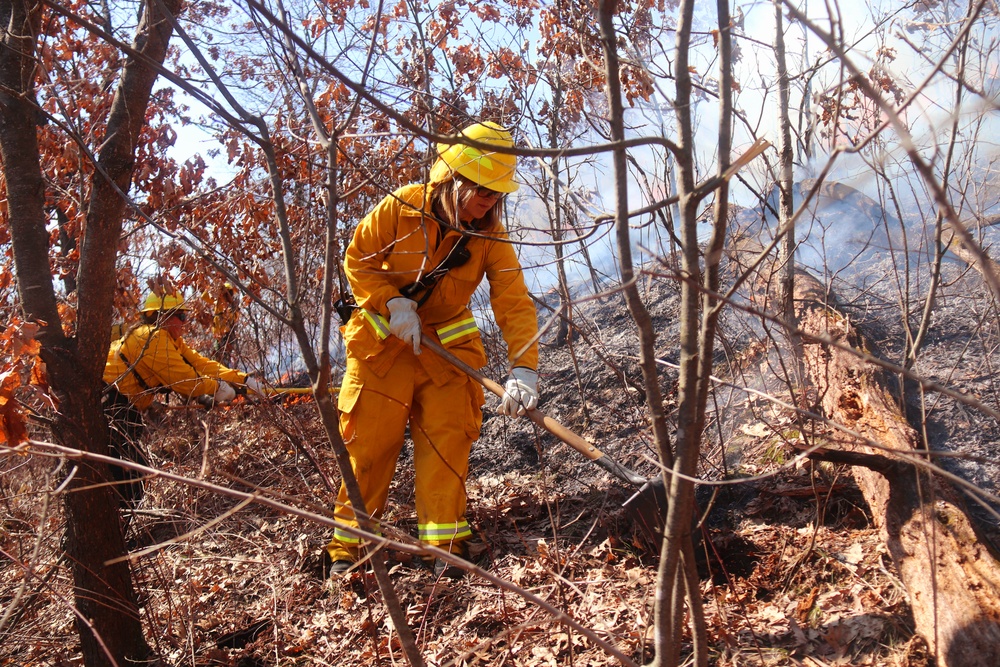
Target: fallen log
x=980, y=261
x=952, y=581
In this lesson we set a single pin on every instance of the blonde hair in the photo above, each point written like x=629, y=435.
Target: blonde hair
x=453, y=195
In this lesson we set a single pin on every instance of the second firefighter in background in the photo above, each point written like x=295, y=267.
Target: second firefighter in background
x=150, y=358
x=389, y=382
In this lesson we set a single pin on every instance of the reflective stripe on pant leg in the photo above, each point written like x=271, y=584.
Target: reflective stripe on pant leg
x=444, y=423
x=444, y=533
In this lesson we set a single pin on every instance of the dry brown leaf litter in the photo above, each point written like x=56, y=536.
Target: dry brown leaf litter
x=793, y=574
x=841, y=604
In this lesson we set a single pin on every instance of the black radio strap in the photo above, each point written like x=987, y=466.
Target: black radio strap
x=457, y=256
x=131, y=367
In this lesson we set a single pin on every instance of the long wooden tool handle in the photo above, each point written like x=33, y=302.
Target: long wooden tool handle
x=548, y=423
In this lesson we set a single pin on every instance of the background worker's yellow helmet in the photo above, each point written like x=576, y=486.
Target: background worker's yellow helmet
x=155, y=302
x=483, y=167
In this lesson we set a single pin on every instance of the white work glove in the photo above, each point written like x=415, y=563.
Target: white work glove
x=254, y=386
x=224, y=394
x=520, y=393
x=404, y=323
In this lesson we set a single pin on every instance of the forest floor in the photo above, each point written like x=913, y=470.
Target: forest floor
x=792, y=571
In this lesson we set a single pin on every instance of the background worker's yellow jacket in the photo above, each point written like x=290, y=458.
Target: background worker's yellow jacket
x=224, y=320
x=399, y=241
x=148, y=358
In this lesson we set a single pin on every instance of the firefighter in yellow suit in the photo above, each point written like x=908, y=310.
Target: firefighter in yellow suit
x=152, y=357
x=388, y=382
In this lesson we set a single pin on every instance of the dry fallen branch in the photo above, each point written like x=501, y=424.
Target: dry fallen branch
x=954, y=243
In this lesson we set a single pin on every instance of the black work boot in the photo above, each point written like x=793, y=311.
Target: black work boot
x=443, y=568
x=333, y=569
x=339, y=567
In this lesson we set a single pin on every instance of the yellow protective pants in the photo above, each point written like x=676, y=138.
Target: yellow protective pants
x=444, y=418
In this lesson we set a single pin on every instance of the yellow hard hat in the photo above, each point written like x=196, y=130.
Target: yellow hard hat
x=487, y=168
x=155, y=302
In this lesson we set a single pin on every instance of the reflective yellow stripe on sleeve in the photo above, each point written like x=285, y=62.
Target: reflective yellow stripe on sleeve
x=379, y=323
x=457, y=330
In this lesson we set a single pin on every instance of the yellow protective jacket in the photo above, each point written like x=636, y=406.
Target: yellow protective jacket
x=398, y=241
x=148, y=358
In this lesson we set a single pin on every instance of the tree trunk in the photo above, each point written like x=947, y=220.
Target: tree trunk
x=951, y=579
x=108, y=616
x=786, y=200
